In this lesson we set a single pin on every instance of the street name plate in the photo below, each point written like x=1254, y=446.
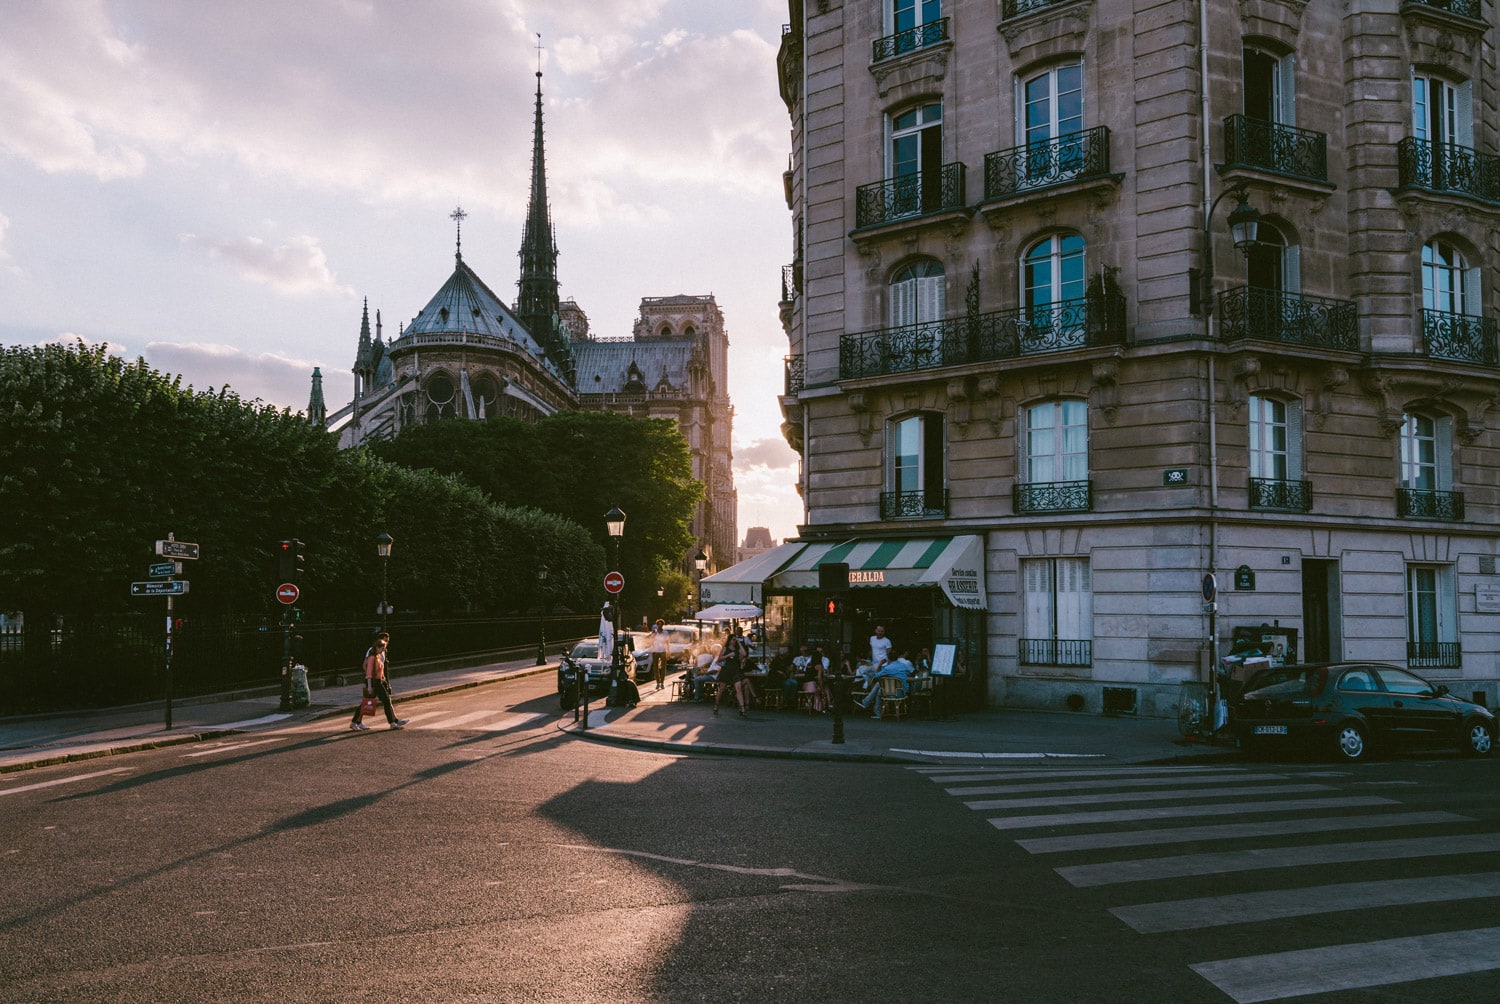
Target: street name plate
x=177, y=549
x=164, y=569
x=174, y=588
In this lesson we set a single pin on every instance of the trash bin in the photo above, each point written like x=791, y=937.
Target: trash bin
x=301, y=692
x=1192, y=709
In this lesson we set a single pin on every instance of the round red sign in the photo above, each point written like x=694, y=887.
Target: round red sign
x=288, y=592
x=614, y=582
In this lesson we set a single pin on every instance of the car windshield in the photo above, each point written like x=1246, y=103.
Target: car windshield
x=586, y=650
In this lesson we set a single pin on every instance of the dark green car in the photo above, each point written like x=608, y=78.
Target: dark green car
x=1351, y=707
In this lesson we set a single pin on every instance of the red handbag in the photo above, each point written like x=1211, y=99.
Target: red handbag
x=369, y=705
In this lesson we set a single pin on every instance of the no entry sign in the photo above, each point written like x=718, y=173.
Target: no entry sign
x=288, y=592
x=614, y=582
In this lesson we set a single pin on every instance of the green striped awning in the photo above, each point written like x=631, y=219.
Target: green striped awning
x=953, y=564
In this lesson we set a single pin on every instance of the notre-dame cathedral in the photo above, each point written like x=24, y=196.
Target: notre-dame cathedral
x=467, y=355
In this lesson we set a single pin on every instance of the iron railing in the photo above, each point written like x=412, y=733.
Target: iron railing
x=1463, y=8
x=1005, y=334
x=1269, y=146
x=1448, y=167
x=1056, y=652
x=1414, y=504
x=1057, y=496
x=795, y=369
x=1015, y=8
x=1462, y=337
x=1293, y=318
x=1273, y=493
x=909, y=195
x=913, y=505
x=1434, y=654
x=1038, y=165
x=911, y=39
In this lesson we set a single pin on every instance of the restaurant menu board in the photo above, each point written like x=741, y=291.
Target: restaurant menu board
x=942, y=659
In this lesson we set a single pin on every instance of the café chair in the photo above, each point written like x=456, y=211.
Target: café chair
x=892, y=697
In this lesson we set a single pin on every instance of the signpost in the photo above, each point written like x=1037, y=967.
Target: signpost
x=172, y=587
x=170, y=548
x=178, y=551
x=164, y=569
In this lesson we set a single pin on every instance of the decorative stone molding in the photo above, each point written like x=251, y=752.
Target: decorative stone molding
x=902, y=80
x=959, y=411
x=1105, y=374
x=988, y=388
x=1244, y=370
x=1278, y=19
x=1332, y=379
x=859, y=404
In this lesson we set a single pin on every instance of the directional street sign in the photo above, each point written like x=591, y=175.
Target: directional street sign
x=614, y=582
x=174, y=588
x=177, y=549
x=164, y=569
x=288, y=592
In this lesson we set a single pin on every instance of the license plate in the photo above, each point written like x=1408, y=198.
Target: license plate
x=1269, y=730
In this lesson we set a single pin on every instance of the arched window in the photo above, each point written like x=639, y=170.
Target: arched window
x=486, y=396
x=1270, y=87
x=1057, y=442
x=441, y=398
x=1443, y=125
x=1448, y=283
x=915, y=160
x=914, y=468
x=1275, y=447
x=1426, y=453
x=1052, y=110
x=917, y=294
x=1052, y=276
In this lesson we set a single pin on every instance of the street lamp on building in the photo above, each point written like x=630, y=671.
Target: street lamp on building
x=383, y=548
x=1244, y=229
x=541, y=588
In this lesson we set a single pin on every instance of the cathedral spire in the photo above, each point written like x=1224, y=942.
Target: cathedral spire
x=362, y=357
x=317, y=411
x=537, y=302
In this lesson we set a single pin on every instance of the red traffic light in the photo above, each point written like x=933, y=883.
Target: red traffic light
x=833, y=606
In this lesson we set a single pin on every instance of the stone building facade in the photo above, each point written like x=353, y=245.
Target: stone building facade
x=1024, y=319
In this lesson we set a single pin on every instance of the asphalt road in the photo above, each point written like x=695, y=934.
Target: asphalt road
x=478, y=855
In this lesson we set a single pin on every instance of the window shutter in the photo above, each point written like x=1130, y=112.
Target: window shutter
x=1286, y=90
x=930, y=296
x=1073, y=599
x=903, y=303
x=1038, y=601
x=1472, y=304
x=1464, y=124
x=1291, y=268
x=1294, y=440
x=1443, y=433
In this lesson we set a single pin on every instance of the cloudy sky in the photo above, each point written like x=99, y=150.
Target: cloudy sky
x=218, y=186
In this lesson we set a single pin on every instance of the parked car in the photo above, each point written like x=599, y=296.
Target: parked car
x=1352, y=707
x=683, y=639
x=585, y=656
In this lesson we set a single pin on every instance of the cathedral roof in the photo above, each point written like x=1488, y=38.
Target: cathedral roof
x=604, y=367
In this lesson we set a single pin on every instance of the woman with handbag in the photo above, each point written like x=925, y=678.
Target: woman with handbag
x=376, y=686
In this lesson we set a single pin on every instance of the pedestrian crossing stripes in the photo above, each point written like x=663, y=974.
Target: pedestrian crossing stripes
x=1095, y=811
x=492, y=720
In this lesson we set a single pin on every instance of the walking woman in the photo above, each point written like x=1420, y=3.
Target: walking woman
x=376, y=686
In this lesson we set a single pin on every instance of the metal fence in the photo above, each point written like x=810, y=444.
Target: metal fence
x=110, y=660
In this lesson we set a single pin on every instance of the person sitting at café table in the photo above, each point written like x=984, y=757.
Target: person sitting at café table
x=779, y=669
x=796, y=675
x=813, y=682
x=898, y=668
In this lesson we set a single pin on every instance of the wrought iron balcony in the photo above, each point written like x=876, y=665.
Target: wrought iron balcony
x=911, y=39
x=1038, y=165
x=1006, y=334
x=1267, y=146
x=1293, y=318
x=1056, y=652
x=1463, y=337
x=913, y=505
x=1448, y=167
x=909, y=195
x=1015, y=8
x=1271, y=493
x=791, y=282
x=1414, y=504
x=795, y=369
x=1434, y=654
x=1057, y=496
x=1463, y=8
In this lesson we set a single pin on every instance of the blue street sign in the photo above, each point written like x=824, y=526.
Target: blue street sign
x=164, y=569
x=174, y=588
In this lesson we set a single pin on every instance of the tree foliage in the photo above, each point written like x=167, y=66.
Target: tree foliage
x=100, y=457
x=577, y=465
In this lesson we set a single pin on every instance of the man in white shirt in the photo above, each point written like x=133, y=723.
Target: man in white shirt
x=880, y=649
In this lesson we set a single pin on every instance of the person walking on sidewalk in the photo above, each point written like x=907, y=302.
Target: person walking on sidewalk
x=376, y=686
x=661, y=651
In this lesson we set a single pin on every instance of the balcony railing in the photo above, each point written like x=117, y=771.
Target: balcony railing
x=1434, y=654
x=1271, y=493
x=1007, y=334
x=1463, y=8
x=913, y=505
x=1015, y=8
x=795, y=369
x=791, y=282
x=1056, y=652
x=1414, y=504
x=911, y=39
x=1293, y=318
x=1448, y=167
x=1038, y=165
x=909, y=195
x=1267, y=146
x=1058, y=496
x=1463, y=337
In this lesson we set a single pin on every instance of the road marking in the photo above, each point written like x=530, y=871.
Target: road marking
x=63, y=780
x=1175, y=811
x=955, y=754
x=953, y=775
x=1276, y=904
x=1234, y=831
x=457, y=720
x=1350, y=967
x=1113, y=783
x=251, y=723
x=1256, y=859
x=1142, y=796
x=229, y=748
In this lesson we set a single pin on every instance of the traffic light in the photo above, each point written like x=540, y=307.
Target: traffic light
x=833, y=606
x=289, y=560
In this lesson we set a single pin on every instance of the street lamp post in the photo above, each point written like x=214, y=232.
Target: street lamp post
x=700, y=562
x=541, y=586
x=383, y=548
x=1244, y=228
x=614, y=525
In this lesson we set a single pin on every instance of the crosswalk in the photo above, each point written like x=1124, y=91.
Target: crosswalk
x=1096, y=820
x=437, y=720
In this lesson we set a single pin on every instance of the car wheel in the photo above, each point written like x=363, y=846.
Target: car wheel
x=1479, y=738
x=1351, y=742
